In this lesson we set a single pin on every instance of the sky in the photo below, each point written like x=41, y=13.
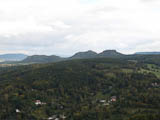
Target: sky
x=64, y=27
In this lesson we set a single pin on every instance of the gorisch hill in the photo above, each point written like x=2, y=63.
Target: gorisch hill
x=42, y=59
x=84, y=55
x=92, y=54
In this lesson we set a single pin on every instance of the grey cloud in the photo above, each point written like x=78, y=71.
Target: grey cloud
x=149, y=0
x=104, y=26
x=104, y=9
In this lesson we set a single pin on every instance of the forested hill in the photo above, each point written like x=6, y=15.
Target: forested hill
x=91, y=89
x=80, y=55
x=90, y=55
x=42, y=59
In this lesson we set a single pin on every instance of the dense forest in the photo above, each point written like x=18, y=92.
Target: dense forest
x=84, y=89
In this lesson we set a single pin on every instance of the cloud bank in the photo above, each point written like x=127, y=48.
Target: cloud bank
x=64, y=27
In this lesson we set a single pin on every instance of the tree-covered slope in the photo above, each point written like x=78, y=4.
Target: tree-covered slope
x=111, y=54
x=91, y=89
x=80, y=55
x=42, y=59
x=84, y=55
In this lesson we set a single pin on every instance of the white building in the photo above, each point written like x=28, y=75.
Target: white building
x=102, y=101
x=38, y=102
x=18, y=111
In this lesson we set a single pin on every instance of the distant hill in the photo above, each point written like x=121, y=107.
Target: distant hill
x=110, y=53
x=84, y=55
x=42, y=59
x=12, y=57
x=92, y=54
x=148, y=53
x=53, y=58
x=80, y=55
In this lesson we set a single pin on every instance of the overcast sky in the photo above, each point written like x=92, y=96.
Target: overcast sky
x=63, y=27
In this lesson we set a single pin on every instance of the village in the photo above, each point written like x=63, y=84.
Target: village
x=103, y=102
x=107, y=103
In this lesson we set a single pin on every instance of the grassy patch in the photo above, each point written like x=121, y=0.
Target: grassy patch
x=151, y=68
x=127, y=70
x=110, y=75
